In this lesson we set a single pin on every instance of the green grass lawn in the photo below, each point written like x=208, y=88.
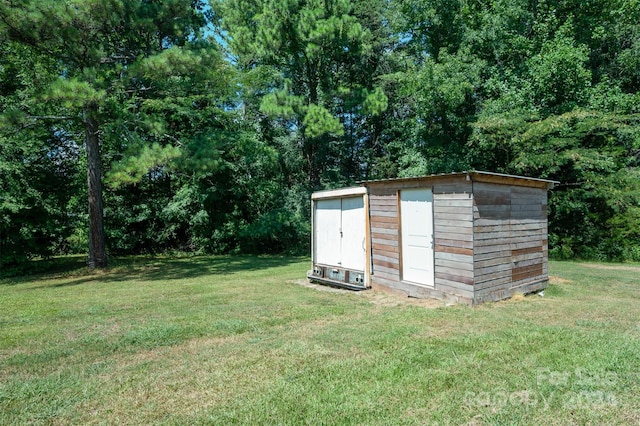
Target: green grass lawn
x=234, y=340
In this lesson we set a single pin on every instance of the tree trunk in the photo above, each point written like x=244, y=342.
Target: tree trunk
x=97, y=255
x=311, y=143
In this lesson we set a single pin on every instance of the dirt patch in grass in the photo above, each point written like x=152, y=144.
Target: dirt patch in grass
x=381, y=298
x=320, y=287
x=558, y=280
x=376, y=297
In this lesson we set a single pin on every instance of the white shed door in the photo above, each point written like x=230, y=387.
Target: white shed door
x=340, y=232
x=416, y=207
x=327, y=221
x=353, y=229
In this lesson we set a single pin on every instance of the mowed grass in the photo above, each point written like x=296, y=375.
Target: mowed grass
x=234, y=340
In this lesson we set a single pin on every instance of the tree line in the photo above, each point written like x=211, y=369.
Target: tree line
x=149, y=126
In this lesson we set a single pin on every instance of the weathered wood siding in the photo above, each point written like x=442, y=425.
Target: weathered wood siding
x=385, y=251
x=490, y=236
x=453, y=237
x=510, y=239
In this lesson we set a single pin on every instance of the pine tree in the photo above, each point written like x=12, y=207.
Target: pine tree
x=322, y=61
x=96, y=44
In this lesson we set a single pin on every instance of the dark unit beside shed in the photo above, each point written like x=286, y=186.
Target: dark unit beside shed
x=468, y=237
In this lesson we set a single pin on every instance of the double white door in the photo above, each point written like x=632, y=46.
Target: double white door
x=340, y=232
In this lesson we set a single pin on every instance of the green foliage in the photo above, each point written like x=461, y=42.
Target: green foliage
x=72, y=93
x=39, y=164
x=276, y=230
x=133, y=168
x=563, y=112
x=559, y=76
x=594, y=156
x=442, y=97
x=318, y=121
x=97, y=47
x=376, y=102
x=279, y=103
x=37, y=184
x=214, y=143
x=323, y=82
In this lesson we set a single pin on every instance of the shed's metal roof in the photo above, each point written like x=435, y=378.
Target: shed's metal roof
x=472, y=175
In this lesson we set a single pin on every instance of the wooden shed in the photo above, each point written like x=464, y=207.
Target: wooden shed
x=469, y=237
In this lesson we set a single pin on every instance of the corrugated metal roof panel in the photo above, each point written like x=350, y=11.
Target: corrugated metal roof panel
x=472, y=175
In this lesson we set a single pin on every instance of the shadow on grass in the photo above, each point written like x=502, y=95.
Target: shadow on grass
x=72, y=270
